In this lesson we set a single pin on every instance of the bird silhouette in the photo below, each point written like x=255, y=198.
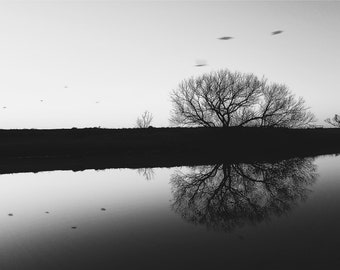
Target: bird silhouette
x=4, y=107
x=200, y=63
x=277, y=32
x=74, y=227
x=225, y=38
x=103, y=209
x=10, y=214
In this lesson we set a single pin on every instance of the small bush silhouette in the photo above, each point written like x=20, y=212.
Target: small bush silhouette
x=145, y=120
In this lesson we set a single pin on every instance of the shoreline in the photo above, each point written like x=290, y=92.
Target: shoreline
x=94, y=148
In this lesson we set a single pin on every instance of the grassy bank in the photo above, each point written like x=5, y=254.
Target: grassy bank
x=77, y=149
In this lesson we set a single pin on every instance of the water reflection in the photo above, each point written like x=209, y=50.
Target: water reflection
x=147, y=173
x=226, y=196
x=116, y=219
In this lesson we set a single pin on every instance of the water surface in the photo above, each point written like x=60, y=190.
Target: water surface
x=273, y=216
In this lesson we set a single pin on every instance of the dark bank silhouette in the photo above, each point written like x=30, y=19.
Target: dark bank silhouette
x=226, y=196
x=80, y=149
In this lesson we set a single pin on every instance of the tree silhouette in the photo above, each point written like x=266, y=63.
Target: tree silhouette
x=226, y=196
x=335, y=121
x=225, y=98
x=145, y=120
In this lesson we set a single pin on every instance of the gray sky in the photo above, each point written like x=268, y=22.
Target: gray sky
x=104, y=63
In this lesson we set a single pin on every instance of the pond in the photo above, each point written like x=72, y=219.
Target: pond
x=260, y=215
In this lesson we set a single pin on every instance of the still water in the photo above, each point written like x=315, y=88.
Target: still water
x=284, y=215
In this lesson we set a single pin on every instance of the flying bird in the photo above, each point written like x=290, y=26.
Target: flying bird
x=200, y=63
x=225, y=38
x=4, y=107
x=277, y=32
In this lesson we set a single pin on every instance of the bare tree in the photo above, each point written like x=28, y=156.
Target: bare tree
x=225, y=98
x=145, y=120
x=335, y=121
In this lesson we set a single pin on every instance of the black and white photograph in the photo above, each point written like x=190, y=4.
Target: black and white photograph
x=169, y=134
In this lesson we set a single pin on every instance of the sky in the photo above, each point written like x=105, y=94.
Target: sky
x=80, y=64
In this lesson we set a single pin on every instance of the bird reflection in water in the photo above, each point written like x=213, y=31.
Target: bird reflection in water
x=227, y=196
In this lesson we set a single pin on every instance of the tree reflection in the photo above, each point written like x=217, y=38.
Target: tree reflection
x=147, y=173
x=225, y=196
